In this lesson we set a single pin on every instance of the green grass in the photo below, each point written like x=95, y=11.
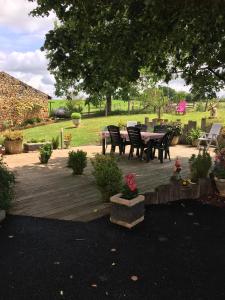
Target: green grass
x=116, y=105
x=88, y=132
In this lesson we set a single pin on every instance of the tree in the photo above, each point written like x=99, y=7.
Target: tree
x=106, y=43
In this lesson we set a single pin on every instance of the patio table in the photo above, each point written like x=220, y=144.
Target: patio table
x=146, y=136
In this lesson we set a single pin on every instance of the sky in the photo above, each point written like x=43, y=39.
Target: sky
x=21, y=37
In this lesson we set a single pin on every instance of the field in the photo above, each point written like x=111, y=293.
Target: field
x=88, y=132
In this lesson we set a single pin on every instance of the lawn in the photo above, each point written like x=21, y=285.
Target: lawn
x=88, y=132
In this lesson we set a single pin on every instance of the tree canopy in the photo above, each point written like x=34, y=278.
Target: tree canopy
x=102, y=45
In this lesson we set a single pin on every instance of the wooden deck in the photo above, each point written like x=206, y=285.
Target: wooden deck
x=52, y=192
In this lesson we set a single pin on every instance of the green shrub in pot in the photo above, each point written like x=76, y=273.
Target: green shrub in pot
x=13, y=141
x=193, y=136
x=77, y=161
x=76, y=117
x=107, y=174
x=200, y=165
x=45, y=153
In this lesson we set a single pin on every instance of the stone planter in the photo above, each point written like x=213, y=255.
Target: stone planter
x=2, y=215
x=220, y=185
x=2, y=150
x=127, y=213
x=175, y=140
x=194, y=143
x=13, y=147
x=32, y=146
x=76, y=122
x=66, y=144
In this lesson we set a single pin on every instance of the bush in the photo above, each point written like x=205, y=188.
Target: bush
x=74, y=106
x=7, y=180
x=55, y=142
x=77, y=161
x=107, y=174
x=15, y=135
x=75, y=115
x=200, y=165
x=200, y=106
x=193, y=135
x=45, y=153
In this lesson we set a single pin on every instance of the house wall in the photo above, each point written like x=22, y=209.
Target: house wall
x=19, y=101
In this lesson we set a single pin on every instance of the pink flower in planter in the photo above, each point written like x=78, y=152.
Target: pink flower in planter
x=131, y=182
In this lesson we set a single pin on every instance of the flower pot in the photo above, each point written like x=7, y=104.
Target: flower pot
x=194, y=143
x=127, y=213
x=175, y=140
x=76, y=122
x=2, y=215
x=67, y=144
x=13, y=147
x=220, y=185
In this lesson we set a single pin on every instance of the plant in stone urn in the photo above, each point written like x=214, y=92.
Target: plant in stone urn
x=128, y=206
x=13, y=141
x=219, y=170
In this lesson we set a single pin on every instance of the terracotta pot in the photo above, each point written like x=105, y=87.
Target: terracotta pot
x=220, y=184
x=13, y=147
x=76, y=122
x=127, y=213
x=175, y=140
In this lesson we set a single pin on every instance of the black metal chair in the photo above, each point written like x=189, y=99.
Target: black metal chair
x=116, y=139
x=136, y=141
x=142, y=127
x=163, y=146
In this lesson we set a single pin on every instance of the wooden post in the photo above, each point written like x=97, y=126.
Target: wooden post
x=146, y=120
x=62, y=138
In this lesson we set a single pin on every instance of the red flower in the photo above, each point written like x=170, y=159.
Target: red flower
x=131, y=182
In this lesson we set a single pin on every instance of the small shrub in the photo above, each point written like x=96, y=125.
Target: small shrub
x=200, y=106
x=77, y=161
x=55, y=142
x=200, y=165
x=45, y=153
x=75, y=116
x=15, y=135
x=107, y=174
x=193, y=135
x=7, y=180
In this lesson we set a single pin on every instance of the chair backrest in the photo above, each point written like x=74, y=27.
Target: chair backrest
x=181, y=107
x=166, y=140
x=131, y=123
x=160, y=128
x=215, y=130
x=114, y=133
x=134, y=136
x=142, y=127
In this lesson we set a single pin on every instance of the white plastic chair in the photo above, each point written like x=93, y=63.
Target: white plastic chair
x=131, y=123
x=210, y=137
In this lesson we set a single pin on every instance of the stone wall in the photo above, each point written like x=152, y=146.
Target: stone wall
x=19, y=101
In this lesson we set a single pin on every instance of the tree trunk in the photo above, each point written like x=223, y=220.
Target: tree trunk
x=206, y=104
x=108, y=107
x=89, y=109
x=159, y=113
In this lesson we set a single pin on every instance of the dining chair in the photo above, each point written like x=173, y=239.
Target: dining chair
x=142, y=127
x=163, y=146
x=160, y=128
x=116, y=139
x=136, y=141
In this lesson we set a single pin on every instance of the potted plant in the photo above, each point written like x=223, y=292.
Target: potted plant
x=176, y=130
x=76, y=118
x=67, y=140
x=7, y=181
x=45, y=153
x=128, y=206
x=77, y=161
x=13, y=141
x=199, y=166
x=193, y=136
x=107, y=174
x=219, y=171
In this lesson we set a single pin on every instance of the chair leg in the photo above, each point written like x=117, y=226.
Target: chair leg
x=161, y=155
x=142, y=151
x=137, y=152
x=113, y=148
x=121, y=149
x=131, y=152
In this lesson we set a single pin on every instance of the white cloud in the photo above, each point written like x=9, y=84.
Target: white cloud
x=15, y=15
x=30, y=67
